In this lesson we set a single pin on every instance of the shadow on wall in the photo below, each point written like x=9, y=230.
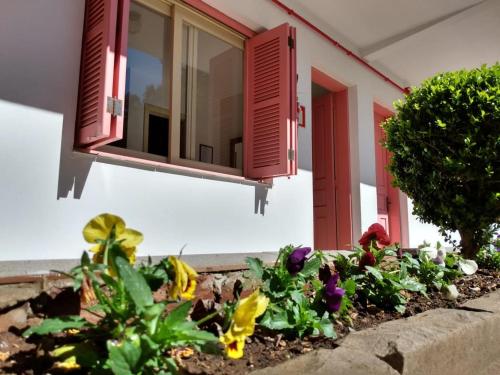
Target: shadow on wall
x=260, y=199
x=39, y=67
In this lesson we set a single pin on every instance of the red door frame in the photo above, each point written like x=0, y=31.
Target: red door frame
x=342, y=166
x=388, y=201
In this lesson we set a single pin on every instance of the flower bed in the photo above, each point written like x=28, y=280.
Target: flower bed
x=306, y=300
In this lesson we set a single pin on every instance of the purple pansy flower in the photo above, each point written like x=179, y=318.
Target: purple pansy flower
x=439, y=260
x=333, y=294
x=296, y=260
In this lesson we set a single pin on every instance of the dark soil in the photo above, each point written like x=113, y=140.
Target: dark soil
x=261, y=350
x=264, y=350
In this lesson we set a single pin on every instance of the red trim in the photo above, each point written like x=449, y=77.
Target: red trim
x=347, y=51
x=221, y=17
x=381, y=110
x=397, y=218
x=342, y=169
x=326, y=81
x=341, y=156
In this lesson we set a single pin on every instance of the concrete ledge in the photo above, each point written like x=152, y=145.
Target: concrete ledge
x=437, y=342
x=337, y=361
x=201, y=262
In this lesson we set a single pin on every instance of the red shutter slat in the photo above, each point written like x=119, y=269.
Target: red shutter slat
x=270, y=104
x=102, y=72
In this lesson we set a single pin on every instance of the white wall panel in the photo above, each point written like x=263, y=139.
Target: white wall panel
x=48, y=192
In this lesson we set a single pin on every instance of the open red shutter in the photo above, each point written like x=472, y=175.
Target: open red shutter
x=270, y=128
x=103, y=72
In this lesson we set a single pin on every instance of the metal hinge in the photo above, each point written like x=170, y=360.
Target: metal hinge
x=291, y=42
x=114, y=106
x=291, y=154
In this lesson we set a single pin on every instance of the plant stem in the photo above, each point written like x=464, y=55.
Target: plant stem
x=208, y=317
x=94, y=313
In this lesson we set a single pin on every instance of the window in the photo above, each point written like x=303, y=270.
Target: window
x=212, y=97
x=162, y=82
x=148, y=82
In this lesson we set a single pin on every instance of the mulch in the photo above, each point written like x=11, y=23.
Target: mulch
x=264, y=349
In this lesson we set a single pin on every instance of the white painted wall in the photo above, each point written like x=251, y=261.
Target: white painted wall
x=420, y=232
x=48, y=192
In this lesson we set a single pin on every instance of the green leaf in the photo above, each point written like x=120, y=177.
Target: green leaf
x=256, y=266
x=327, y=328
x=412, y=285
x=56, y=325
x=171, y=365
x=196, y=336
x=311, y=267
x=441, y=124
x=275, y=320
x=178, y=315
x=375, y=272
x=152, y=315
x=123, y=357
x=350, y=287
x=135, y=285
x=400, y=308
x=110, y=282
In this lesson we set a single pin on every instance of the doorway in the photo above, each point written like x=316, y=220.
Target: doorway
x=388, y=204
x=331, y=166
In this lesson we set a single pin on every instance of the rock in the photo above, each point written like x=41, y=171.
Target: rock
x=489, y=302
x=450, y=292
x=436, y=342
x=13, y=294
x=17, y=317
x=336, y=362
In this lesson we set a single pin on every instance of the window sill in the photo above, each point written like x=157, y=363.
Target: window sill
x=163, y=166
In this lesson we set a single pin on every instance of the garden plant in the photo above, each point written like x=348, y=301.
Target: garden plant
x=305, y=294
x=445, y=145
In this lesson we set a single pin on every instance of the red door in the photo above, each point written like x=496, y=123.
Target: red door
x=325, y=223
x=388, y=208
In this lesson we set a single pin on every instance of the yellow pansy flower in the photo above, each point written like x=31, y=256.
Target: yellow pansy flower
x=101, y=228
x=243, y=323
x=233, y=345
x=184, y=284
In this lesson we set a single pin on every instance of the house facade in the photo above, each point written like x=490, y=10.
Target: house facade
x=218, y=128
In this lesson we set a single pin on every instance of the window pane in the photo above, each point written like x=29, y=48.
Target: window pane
x=212, y=99
x=147, y=93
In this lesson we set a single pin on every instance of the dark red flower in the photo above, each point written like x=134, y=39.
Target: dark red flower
x=375, y=232
x=325, y=273
x=367, y=259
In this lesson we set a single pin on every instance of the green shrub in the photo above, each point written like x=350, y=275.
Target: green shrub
x=489, y=256
x=445, y=141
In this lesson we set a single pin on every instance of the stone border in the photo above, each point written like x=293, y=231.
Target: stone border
x=10, y=270
x=464, y=340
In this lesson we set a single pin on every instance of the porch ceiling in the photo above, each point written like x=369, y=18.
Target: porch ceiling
x=411, y=39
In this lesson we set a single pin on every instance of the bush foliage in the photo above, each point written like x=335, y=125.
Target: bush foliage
x=445, y=141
